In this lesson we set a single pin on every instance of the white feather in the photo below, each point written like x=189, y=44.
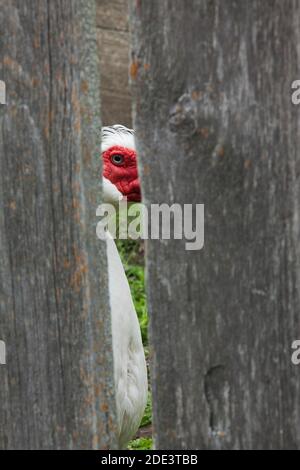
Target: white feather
x=111, y=194
x=130, y=371
x=117, y=135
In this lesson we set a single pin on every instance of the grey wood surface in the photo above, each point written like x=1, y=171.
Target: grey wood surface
x=215, y=125
x=56, y=390
x=113, y=42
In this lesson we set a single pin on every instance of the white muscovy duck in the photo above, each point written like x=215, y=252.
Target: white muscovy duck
x=120, y=179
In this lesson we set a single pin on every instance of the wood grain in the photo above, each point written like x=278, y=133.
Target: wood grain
x=215, y=125
x=113, y=42
x=56, y=390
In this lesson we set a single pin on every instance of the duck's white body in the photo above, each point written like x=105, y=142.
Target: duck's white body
x=130, y=372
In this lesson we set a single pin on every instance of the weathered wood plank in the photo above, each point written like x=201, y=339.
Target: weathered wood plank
x=112, y=14
x=114, y=60
x=56, y=390
x=115, y=108
x=113, y=42
x=215, y=125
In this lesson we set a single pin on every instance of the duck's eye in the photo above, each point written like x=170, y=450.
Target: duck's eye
x=118, y=159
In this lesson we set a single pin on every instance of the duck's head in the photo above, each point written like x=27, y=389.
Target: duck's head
x=120, y=172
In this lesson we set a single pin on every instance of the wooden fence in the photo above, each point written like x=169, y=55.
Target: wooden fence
x=216, y=125
x=56, y=389
x=211, y=83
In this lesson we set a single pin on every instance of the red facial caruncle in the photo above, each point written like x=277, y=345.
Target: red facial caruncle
x=120, y=167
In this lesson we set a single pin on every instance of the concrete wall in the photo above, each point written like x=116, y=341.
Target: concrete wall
x=113, y=40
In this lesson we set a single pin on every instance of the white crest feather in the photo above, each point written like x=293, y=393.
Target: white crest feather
x=117, y=135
